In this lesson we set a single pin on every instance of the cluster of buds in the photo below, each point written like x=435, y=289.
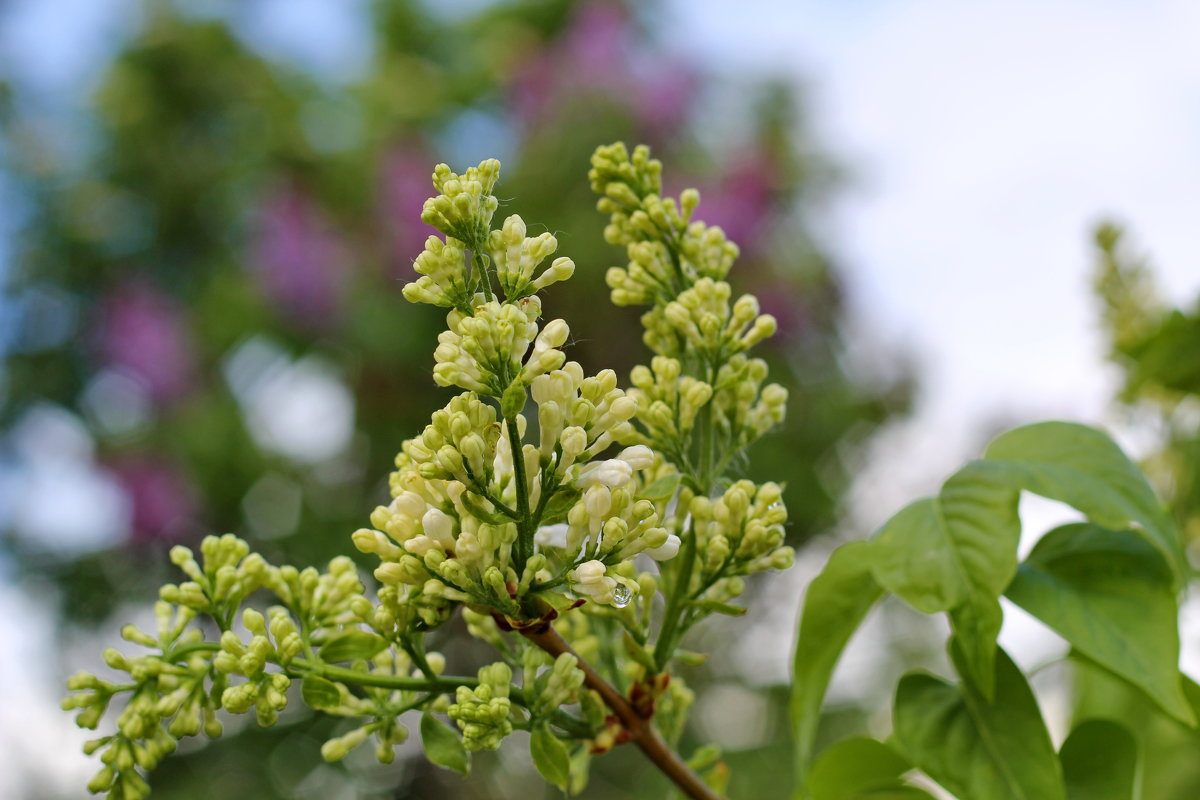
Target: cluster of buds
x=443, y=539
x=327, y=599
x=263, y=691
x=445, y=275
x=485, y=351
x=459, y=444
x=700, y=320
x=516, y=257
x=668, y=251
x=168, y=701
x=579, y=417
x=465, y=204
x=550, y=682
x=743, y=408
x=739, y=533
x=610, y=522
x=667, y=403
x=653, y=275
x=482, y=712
x=229, y=573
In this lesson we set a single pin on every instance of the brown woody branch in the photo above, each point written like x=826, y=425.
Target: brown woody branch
x=640, y=729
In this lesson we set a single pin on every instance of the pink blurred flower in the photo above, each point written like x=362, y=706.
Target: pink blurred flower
x=143, y=333
x=163, y=501
x=664, y=97
x=742, y=201
x=784, y=301
x=405, y=185
x=597, y=56
x=596, y=37
x=297, y=259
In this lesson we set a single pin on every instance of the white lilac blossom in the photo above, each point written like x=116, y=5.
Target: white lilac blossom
x=526, y=504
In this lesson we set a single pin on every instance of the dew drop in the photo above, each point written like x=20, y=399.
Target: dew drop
x=621, y=595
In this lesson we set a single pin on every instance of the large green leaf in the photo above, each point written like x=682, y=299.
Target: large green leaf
x=1100, y=762
x=1084, y=468
x=861, y=769
x=834, y=606
x=956, y=552
x=1109, y=594
x=976, y=748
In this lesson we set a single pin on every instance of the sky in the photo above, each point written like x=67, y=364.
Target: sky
x=981, y=142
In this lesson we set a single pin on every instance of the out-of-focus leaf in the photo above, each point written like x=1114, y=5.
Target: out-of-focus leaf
x=319, y=693
x=1100, y=762
x=550, y=756
x=978, y=748
x=861, y=769
x=834, y=606
x=352, y=646
x=956, y=552
x=442, y=745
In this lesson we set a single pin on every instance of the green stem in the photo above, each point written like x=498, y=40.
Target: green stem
x=484, y=278
x=440, y=683
x=196, y=647
x=524, y=528
x=664, y=649
x=416, y=651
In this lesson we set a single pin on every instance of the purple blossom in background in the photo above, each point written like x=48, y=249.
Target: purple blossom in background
x=297, y=259
x=163, y=501
x=142, y=333
x=787, y=304
x=595, y=57
x=405, y=185
x=664, y=96
x=595, y=38
x=742, y=201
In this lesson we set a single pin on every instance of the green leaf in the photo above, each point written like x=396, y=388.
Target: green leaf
x=550, y=756
x=1084, y=468
x=956, y=552
x=319, y=693
x=351, y=646
x=661, y=489
x=834, y=606
x=442, y=745
x=861, y=769
x=1109, y=594
x=558, y=505
x=976, y=748
x=1100, y=762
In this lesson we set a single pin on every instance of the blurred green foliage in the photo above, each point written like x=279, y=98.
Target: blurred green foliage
x=228, y=220
x=1157, y=348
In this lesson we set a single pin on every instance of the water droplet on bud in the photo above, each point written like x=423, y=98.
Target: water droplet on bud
x=621, y=596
